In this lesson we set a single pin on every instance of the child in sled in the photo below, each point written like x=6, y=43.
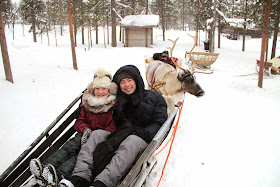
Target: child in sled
x=95, y=119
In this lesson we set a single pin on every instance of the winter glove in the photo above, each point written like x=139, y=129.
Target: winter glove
x=86, y=134
x=143, y=134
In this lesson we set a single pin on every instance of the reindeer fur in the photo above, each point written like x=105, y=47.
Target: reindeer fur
x=176, y=82
x=172, y=91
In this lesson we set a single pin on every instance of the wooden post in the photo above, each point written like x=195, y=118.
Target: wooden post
x=72, y=36
x=264, y=40
x=4, y=50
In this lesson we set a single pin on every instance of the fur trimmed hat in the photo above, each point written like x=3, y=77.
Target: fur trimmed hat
x=102, y=79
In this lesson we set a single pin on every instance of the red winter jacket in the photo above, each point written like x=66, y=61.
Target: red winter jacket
x=94, y=121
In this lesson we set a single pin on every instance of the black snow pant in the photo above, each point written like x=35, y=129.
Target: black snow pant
x=64, y=159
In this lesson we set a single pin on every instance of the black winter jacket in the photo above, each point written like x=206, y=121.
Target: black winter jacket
x=144, y=110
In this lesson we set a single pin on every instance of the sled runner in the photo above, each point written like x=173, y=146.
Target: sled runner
x=60, y=130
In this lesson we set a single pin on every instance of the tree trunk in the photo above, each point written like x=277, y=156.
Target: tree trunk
x=108, y=32
x=197, y=21
x=264, y=41
x=75, y=66
x=232, y=10
x=34, y=28
x=113, y=14
x=244, y=31
x=276, y=29
x=219, y=28
x=183, y=16
x=213, y=28
x=13, y=27
x=4, y=50
x=162, y=20
x=83, y=30
x=96, y=33
x=133, y=7
x=75, y=22
x=23, y=29
x=47, y=27
x=89, y=39
x=55, y=34
x=103, y=23
x=147, y=7
x=60, y=16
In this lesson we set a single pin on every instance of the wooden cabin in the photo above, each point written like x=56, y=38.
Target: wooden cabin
x=138, y=30
x=236, y=27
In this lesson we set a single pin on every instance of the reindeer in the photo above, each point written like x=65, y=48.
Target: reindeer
x=169, y=82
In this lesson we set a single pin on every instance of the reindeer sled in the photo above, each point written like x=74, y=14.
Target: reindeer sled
x=201, y=60
x=60, y=130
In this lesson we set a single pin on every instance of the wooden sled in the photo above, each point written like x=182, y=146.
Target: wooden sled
x=59, y=131
x=268, y=68
x=202, y=60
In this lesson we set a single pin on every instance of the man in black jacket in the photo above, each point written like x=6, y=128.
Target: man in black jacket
x=143, y=111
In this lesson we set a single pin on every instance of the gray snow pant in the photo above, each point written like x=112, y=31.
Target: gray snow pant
x=64, y=159
x=84, y=164
x=125, y=155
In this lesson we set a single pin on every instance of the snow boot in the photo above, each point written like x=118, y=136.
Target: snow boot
x=49, y=175
x=36, y=167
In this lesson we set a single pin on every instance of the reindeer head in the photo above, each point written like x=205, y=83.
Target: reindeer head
x=185, y=76
x=189, y=83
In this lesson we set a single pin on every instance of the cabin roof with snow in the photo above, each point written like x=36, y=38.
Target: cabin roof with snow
x=138, y=30
x=140, y=21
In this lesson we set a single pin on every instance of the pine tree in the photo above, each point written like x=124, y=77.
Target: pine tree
x=32, y=12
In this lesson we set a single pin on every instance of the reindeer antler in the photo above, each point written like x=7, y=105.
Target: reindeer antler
x=171, y=56
x=195, y=41
x=172, y=48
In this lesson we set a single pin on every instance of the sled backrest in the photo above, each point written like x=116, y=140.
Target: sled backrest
x=46, y=144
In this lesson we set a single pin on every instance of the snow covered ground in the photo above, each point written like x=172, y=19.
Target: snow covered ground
x=230, y=137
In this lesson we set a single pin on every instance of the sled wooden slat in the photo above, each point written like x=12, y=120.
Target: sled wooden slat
x=19, y=168
x=23, y=177
x=23, y=167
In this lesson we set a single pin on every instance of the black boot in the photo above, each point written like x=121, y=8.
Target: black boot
x=79, y=181
x=98, y=184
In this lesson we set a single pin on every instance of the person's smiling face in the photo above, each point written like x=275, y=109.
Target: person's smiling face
x=101, y=92
x=128, y=86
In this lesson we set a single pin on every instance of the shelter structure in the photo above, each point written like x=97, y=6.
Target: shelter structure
x=138, y=30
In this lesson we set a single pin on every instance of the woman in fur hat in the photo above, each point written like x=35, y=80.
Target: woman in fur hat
x=94, y=124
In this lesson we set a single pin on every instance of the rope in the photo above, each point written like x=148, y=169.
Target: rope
x=172, y=140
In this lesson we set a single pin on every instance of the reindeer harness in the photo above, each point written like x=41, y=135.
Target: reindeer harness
x=153, y=85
